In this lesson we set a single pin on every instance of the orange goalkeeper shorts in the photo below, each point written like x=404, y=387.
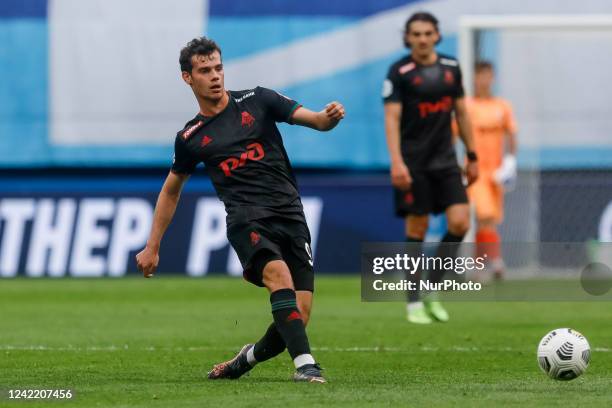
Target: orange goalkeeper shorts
x=488, y=198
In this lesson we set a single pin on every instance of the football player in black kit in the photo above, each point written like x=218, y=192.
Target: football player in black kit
x=421, y=92
x=235, y=136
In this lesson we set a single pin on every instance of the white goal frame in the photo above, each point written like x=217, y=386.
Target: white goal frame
x=470, y=23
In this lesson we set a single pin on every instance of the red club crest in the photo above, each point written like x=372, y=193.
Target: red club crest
x=247, y=119
x=449, y=78
x=205, y=140
x=254, y=238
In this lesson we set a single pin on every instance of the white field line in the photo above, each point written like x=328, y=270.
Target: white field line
x=111, y=348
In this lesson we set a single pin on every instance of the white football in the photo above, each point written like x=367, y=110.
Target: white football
x=564, y=354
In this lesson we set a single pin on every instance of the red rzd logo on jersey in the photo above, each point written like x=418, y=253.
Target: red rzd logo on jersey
x=254, y=152
x=445, y=104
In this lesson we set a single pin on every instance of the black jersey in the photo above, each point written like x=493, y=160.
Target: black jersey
x=244, y=155
x=427, y=94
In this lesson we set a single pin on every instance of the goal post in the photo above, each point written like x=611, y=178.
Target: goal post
x=554, y=70
x=470, y=24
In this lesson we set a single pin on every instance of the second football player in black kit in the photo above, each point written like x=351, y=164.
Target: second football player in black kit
x=421, y=92
x=236, y=137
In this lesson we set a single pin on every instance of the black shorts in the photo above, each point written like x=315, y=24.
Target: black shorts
x=432, y=192
x=261, y=241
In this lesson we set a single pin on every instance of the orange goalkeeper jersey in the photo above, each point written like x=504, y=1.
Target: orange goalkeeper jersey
x=491, y=119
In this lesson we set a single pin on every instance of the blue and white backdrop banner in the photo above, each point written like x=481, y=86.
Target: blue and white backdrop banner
x=97, y=82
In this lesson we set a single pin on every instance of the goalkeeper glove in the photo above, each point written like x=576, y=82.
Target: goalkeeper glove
x=505, y=175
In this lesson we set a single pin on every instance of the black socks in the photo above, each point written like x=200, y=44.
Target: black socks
x=415, y=249
x=288, y=322
x=270, y=345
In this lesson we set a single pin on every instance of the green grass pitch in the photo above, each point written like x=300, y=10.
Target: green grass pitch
x=148, y=343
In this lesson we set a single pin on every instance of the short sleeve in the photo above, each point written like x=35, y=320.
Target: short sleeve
x=183, y=162
x=509, y=121
x=391, y=90
x=459, y=91
x=278, y=106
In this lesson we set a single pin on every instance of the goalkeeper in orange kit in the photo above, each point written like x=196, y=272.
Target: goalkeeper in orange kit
x=494, y=130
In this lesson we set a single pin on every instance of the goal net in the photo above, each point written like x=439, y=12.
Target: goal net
x=556, y=72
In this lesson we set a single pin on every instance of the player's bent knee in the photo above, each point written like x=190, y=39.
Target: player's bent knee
x=276, y=276
x=459, y=227
x=416, y=226
x=416, y=232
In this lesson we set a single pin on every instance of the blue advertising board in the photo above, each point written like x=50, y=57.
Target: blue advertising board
x=90, y=228
x=93, y=226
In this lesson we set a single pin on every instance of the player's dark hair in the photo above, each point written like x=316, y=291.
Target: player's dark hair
x=421, y=16
x=483, y=66
x=197, y=46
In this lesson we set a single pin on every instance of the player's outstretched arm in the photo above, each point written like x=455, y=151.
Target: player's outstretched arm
x=465, y=132
x=325, y=120
x=148, y=259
